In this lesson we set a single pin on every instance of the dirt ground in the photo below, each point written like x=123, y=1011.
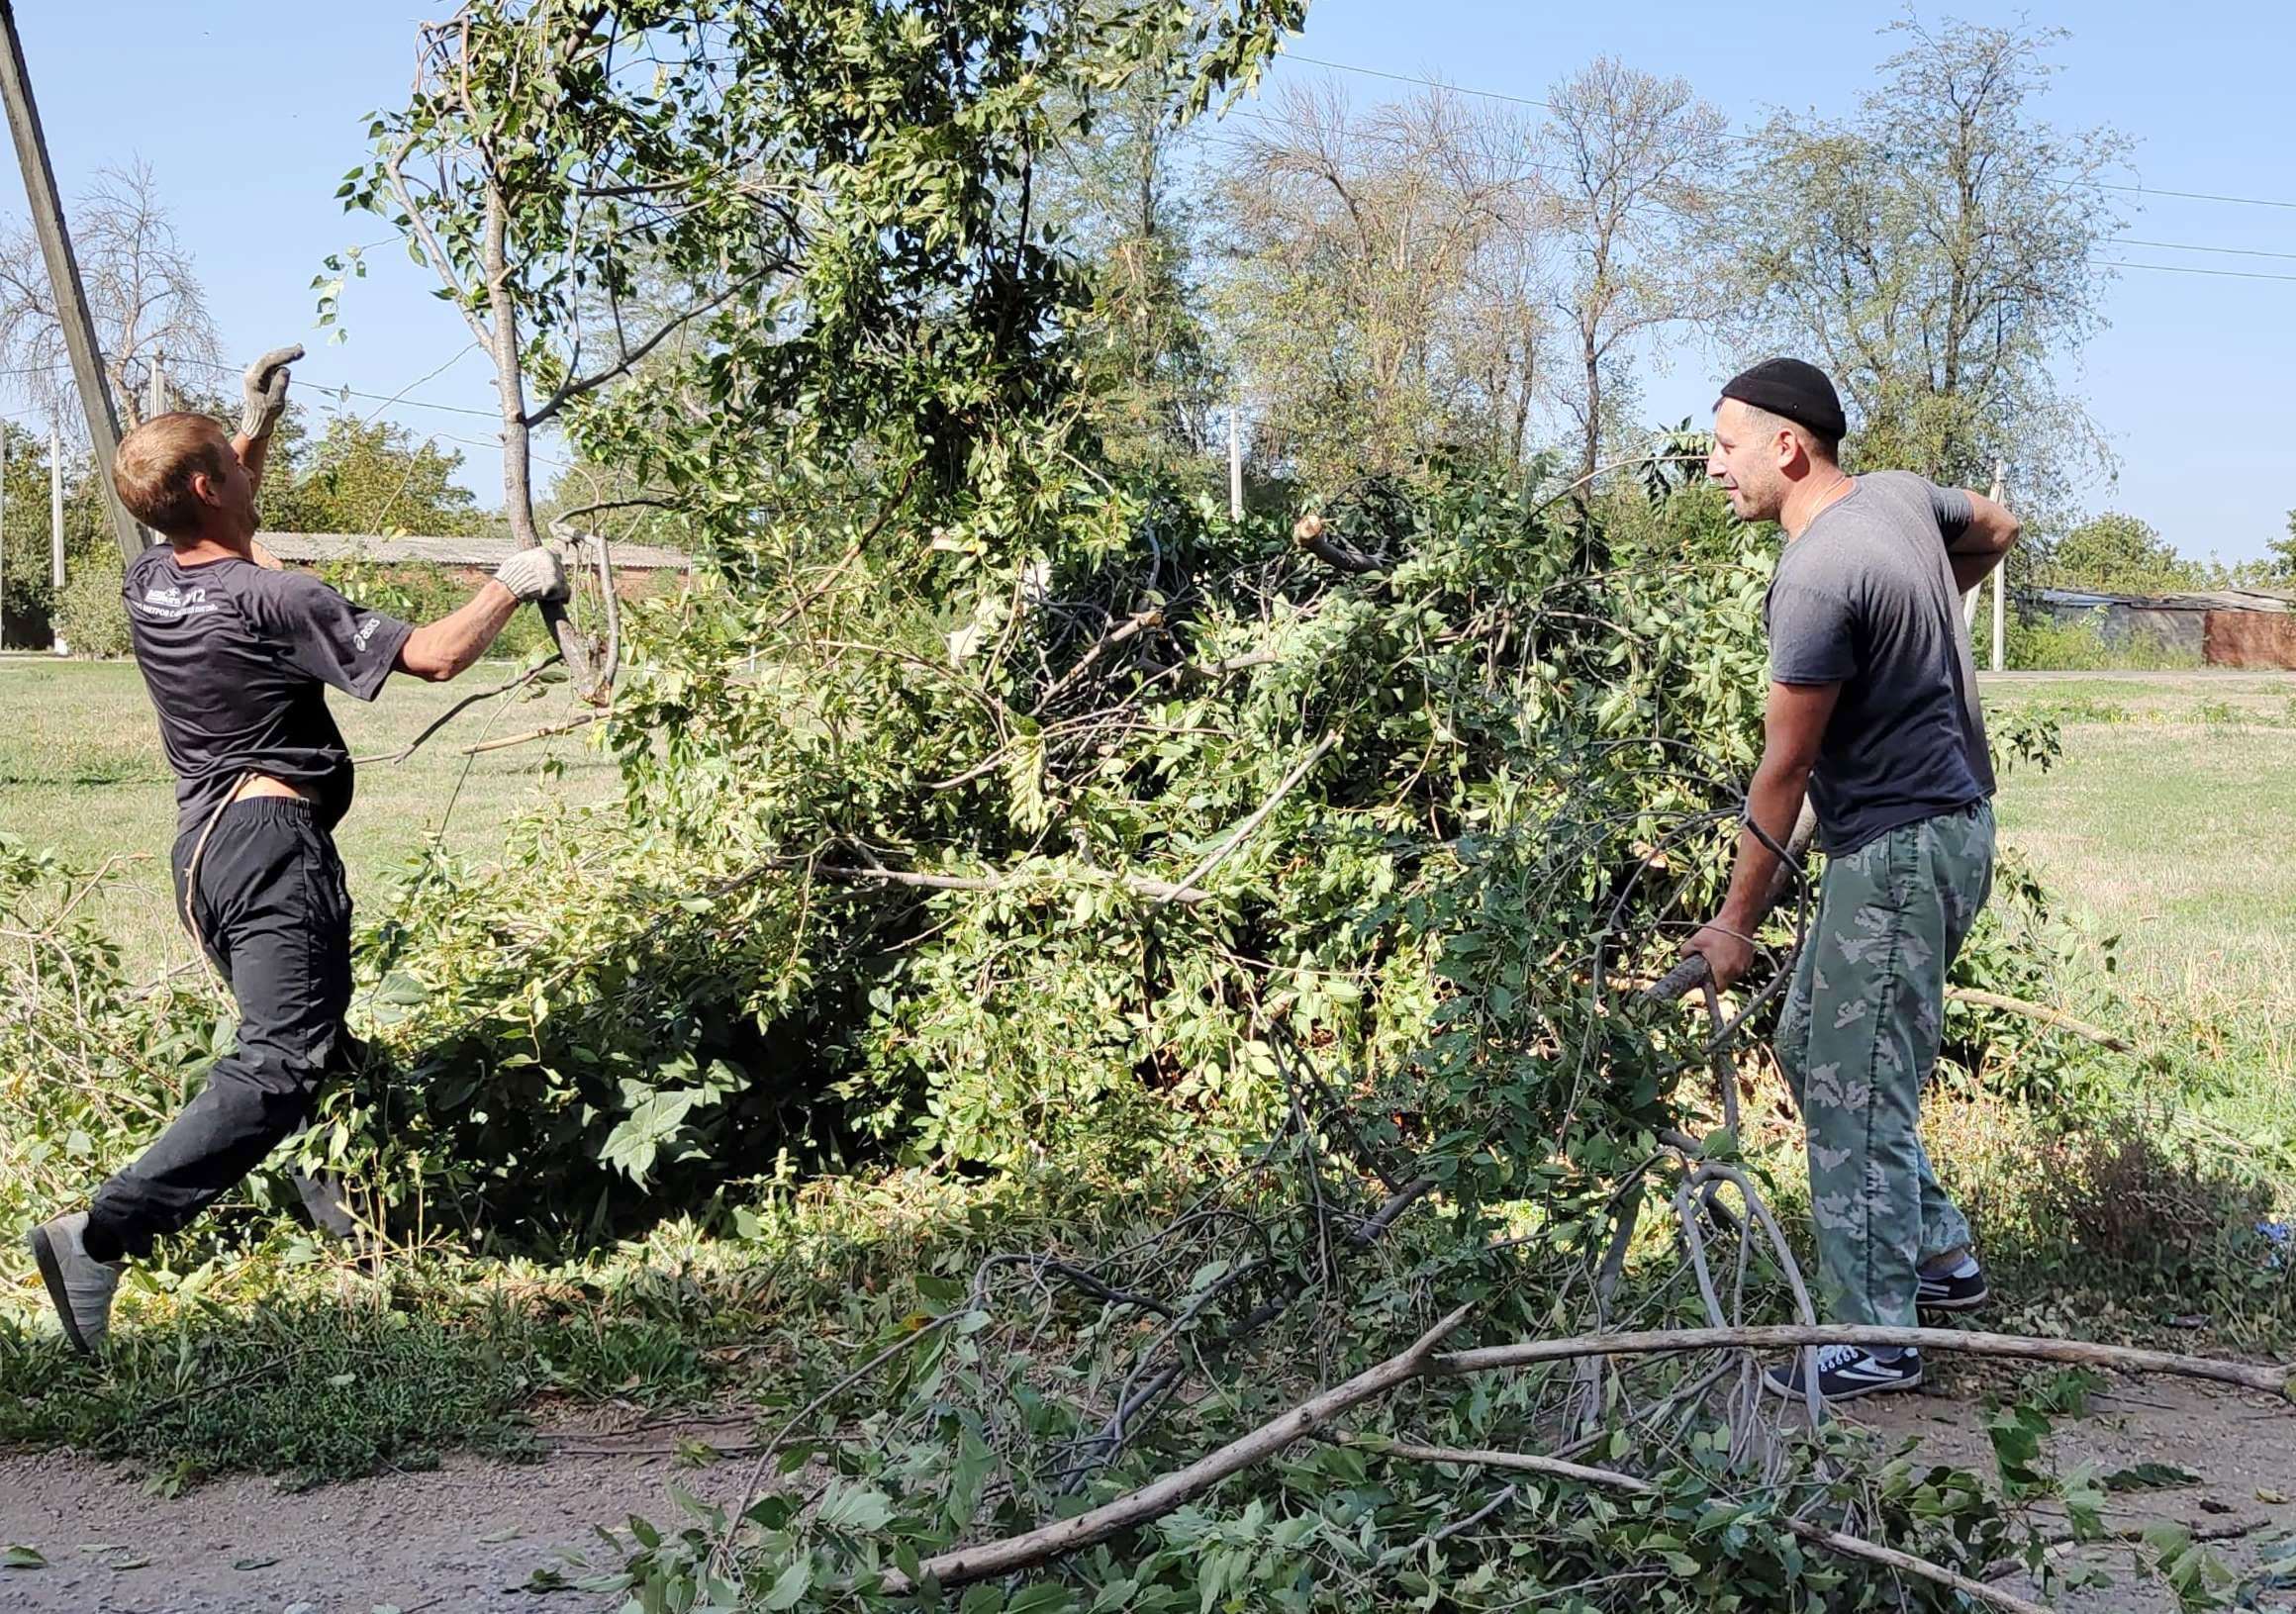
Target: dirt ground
x=469, y=1537
x=2242, y=1447
x=465, y=1539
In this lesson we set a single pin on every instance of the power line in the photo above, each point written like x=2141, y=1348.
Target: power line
x=2193, y=269
x=378, y=396
x=1549, y=105
x=2187, y=247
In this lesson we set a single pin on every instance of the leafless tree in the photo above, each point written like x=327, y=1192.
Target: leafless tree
x=1634, y=164
x=1385, y=292
x=141, y=286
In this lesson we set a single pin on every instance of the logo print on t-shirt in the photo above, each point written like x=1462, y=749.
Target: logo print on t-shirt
x=166, y=600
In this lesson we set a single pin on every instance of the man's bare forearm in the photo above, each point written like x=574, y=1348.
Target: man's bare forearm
x=1773, y=801
x=440, y=650
x=1991, y=533
x=255, y=454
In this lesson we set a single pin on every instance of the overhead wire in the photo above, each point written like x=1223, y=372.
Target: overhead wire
x=1549, y=105
x=1244, y=145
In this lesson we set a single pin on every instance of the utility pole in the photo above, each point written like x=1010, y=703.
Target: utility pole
x=1235, y=467
x=64, y=274
x=155, y=394
x=55, y=509
x=2000, y=576
x=55, y=519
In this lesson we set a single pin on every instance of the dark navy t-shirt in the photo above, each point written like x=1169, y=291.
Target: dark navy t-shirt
x=1864, y=599
x=237, y=658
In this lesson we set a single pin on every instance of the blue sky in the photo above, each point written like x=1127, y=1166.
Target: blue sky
x=251, y=110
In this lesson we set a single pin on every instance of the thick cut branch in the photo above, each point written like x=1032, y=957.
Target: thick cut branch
x=2272, y=1381
x=965, y=1565
x=2039, y=1012
x=1026, y=1550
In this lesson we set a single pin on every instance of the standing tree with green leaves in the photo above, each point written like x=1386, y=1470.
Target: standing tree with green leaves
x=1634, y=173
x=1119, y=188
x=2117, y=554
x=1936, y=253
x=842, y=194
x=2281, y=556
x=1384, y=301
x=365, y=476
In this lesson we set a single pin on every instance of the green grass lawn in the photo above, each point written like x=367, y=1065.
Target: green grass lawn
x=81, y=772
x=2167, y=821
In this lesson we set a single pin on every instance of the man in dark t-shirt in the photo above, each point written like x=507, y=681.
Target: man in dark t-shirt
x=1873, y=713
x=236, y=654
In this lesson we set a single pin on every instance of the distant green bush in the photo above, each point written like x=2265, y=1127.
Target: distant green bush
x=90, y=616
x=2043, y=643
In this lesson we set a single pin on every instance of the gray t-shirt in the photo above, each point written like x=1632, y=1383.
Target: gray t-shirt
x=1864, y=598
x=237, y=658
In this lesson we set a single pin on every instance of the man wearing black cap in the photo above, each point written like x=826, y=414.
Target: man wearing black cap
x=1873, y=713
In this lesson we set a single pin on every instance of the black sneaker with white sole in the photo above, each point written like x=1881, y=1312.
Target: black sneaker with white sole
x=1951, y=1291
x=1847, y=1372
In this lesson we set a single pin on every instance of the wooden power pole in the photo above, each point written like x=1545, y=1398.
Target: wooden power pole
x=2000, y=575
x=55, y=504
x=1235, y=467
x=63, y=273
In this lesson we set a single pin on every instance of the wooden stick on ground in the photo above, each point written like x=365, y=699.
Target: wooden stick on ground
x=1834, y=1541
x=2272, y=1381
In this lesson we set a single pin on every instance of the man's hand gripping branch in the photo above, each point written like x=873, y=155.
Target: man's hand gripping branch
x=1793, y=725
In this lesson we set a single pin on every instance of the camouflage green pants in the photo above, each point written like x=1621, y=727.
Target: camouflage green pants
x=1859, y=1036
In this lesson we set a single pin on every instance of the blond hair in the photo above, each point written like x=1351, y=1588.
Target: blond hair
x=155, y=464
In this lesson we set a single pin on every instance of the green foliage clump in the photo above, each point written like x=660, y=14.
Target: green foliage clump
x=364, y=476
x=2039, y=641
x=89, y=1067
x=90, y=616
x=2116, y=553
x=986, y=882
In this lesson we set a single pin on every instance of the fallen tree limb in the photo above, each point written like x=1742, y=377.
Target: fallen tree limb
x=1259, y=815
x=1834, y=1541
x=459, y=708
x=1030, y=1548
x=1143, y=885
x=1311, y=536
x=965, y=1565
x=2039, y=1012
x=2272, y=1381
x=546, y=732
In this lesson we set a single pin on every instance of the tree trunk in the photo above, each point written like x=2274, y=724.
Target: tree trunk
x=509, y=375
x=1590, y=355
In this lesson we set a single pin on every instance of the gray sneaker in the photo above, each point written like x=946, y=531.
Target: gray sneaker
x=80, y=1285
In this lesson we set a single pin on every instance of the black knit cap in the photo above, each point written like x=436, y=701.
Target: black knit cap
x=1793, y=389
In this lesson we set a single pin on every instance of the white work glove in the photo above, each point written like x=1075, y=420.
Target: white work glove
x=264, y=388
x=535, y=574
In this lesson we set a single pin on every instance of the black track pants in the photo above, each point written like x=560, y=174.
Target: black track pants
x=274, y=914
